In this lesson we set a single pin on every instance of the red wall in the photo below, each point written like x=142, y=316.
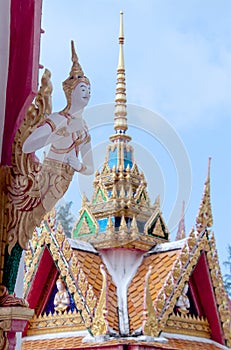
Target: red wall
x=23, y=67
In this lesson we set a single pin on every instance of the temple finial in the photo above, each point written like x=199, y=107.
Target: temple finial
x=181, y=227
x=205, y=218
x=120, y=113
x=208, y=173
x=121, y=42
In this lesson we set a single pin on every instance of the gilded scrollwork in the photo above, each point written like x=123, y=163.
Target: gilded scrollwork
x=4, y=325
x=150, y=324
x=7, y=299
x=68, y=266
x=66, y=321
x=186, y=261
x=99, y=324
x=24, y=193
x=186, y=324
x=204, y=218
x=220, y=293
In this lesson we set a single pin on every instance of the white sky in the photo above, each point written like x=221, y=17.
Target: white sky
x=178, y=64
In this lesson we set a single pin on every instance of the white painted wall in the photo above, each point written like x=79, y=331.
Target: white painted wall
x=122, y=264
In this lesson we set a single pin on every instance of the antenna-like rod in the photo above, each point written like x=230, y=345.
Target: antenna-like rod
x=120, y=113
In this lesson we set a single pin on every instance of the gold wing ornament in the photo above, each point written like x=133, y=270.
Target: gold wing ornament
x=24, y=210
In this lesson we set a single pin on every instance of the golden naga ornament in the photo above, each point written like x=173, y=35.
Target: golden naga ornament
x=99, y=324
x=150, y=325
x=204, y=218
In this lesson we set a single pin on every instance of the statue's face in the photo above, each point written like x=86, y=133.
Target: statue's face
x=60, y=285
x=81, y=94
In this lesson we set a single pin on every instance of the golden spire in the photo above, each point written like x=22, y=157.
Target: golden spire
x=181, y=227
x=204, y=217
x=120, y=113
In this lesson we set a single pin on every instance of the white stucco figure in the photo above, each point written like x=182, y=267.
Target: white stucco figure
x=183, y=303
x=66, y=131
x=62, y=299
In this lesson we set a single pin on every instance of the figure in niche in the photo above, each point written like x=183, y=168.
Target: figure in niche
x=62, y=299
x=183, y=304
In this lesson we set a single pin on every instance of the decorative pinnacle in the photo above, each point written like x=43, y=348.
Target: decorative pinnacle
x=120, y=112
x=121, y=42
x=205, y=218
x=209, y=164
x=181, y=227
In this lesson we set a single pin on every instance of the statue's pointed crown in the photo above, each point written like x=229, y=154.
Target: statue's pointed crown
x=76, y=76
x=76, y=69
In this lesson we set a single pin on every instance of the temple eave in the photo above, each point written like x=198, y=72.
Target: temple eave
x=130, y=244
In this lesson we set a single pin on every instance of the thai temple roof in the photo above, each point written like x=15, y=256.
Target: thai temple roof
x=129, y=287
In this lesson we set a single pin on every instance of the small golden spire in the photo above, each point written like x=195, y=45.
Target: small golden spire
x=134, y=228
x=110, y=226
x=122, y=192
x=205, y=217
x=156, y=205
x=181, y=227
x=123, y=225
x=114, y=192
x=120, y=113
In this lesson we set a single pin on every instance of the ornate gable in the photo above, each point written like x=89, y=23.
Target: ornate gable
x=141, y=195
x=100, y=194
x=106, y=169
x=186, y=289
x=156, y=227
x=53, y=258
x=135, y=170
x=86, y=224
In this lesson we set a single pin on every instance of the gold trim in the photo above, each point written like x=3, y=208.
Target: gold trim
x=222, y=298
x=150, y=326
x=99, y=324
x=174, y=285
x=62, y=322
x=50, y=123
x=68, y=265
x=189, y=325
x=205, y=217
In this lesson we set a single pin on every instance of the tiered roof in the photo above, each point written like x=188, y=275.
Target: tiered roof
x=120, y=213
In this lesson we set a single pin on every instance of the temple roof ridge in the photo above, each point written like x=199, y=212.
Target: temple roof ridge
x=164, y=247
x=81, y=245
